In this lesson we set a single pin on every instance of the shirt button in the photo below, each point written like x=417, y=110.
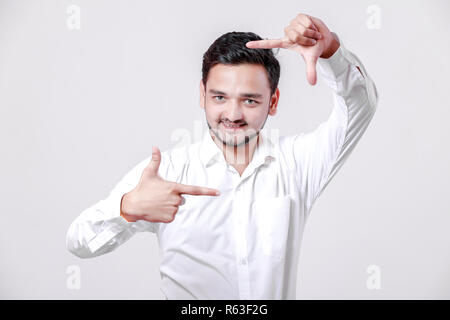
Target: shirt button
x=243, y=261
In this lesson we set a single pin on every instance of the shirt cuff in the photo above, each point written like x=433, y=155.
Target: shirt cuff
x=336, y=64
x=114, y=225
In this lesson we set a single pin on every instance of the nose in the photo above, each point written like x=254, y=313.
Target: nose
x=234, y=112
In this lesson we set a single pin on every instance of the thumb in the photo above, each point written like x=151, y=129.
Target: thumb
x=311, y=73
x=153, y=166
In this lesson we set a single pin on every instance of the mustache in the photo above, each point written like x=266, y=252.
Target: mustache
x=233, y=122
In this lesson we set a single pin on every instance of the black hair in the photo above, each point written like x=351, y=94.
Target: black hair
x=230, y=49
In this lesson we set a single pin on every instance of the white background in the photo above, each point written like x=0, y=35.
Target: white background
x=79, y=108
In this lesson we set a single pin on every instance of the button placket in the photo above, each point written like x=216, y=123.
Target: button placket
x=239, y=199
x=241, y=241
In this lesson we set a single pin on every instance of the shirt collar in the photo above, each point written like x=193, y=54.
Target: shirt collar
x=210, y=152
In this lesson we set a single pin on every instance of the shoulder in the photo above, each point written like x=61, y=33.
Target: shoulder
x=181, y=155
x=176, y=160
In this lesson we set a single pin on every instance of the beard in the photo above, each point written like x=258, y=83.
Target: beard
x=233, y=143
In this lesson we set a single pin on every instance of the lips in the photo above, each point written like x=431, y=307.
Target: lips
x=230, y=126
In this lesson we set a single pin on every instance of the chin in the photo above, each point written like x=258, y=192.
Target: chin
x=234, y=140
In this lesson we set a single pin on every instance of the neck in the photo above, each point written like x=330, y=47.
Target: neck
x=238, y=155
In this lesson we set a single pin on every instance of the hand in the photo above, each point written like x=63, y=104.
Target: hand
x=306, y=35
x=155, y=199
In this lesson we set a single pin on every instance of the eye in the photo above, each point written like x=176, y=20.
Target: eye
x=254, y=102
x=217, y=97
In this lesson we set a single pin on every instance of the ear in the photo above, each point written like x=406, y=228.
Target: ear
x=202, y=95
x=274, y=102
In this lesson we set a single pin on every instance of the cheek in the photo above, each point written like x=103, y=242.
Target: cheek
x=212, y=114
x=256, y=116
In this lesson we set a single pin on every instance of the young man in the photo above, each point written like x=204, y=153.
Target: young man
x=243, y=243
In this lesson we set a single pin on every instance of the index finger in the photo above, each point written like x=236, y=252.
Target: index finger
x=266, y=44
x=196, y=190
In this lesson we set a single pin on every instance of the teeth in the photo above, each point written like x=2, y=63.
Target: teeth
x=232, y=126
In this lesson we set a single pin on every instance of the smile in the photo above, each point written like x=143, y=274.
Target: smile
x=232, y=126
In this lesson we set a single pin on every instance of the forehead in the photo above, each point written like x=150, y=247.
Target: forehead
x=241, y=77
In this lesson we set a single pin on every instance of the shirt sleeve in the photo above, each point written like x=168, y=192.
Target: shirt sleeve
x=318, y=155
x=100, y=228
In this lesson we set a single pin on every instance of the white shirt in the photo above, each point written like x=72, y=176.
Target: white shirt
x=245, y=243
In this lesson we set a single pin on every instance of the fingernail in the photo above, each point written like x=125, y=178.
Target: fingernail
x=314, y=41
x=217, y=193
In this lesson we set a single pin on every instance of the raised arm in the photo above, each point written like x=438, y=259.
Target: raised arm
x=320, y=154
x=317, y=156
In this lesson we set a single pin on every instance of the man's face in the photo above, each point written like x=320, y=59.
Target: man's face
x=237, y=101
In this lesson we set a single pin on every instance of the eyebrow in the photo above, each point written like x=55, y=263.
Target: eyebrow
x=246, y=95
